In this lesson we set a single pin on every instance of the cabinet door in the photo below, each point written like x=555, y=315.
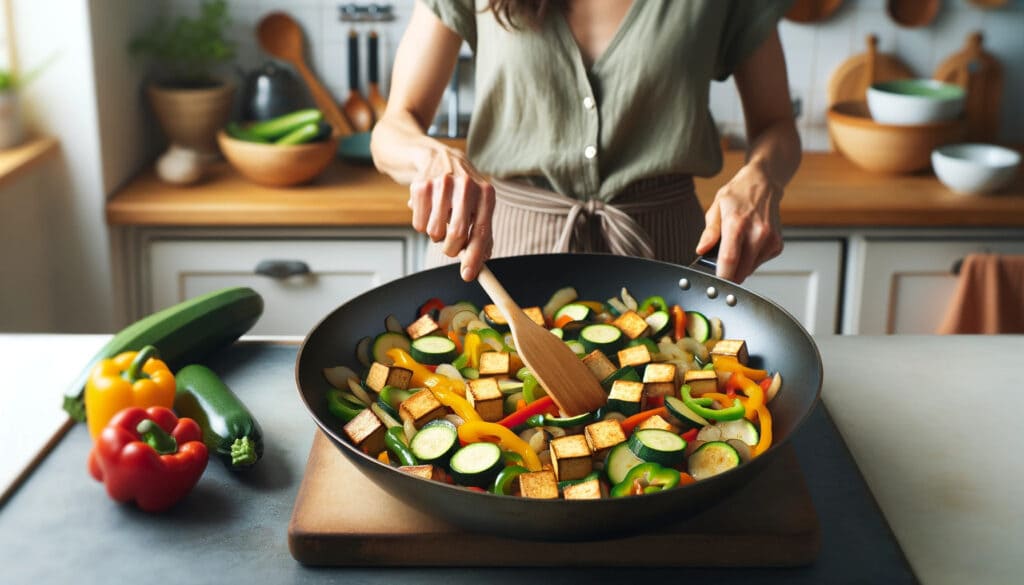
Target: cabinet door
x=906, y=286
x=301, y=280
x=804, y=280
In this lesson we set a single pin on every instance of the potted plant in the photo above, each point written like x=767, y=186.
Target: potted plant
x=190, y=100
x=11, y=132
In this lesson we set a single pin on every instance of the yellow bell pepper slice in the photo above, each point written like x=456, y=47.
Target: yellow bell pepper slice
x=448, y=392
x=477, y=431
x=764, y=421
x=754, y=392
x=728, y=363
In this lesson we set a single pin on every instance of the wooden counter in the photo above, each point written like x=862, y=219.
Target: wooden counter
x=828, y=191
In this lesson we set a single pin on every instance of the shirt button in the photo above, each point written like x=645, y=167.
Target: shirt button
x=588, y=103
x=589, y=152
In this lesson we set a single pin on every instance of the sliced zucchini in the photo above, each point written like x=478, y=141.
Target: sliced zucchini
x=385, y=341
x=476, y=464
x=433, y=350
x=741, y=429
x=627, y=373
x=393, y=397
x=619, y=461
x=575, y=312
x=494, y=319
x=607, y=338
x=510, y=386
x=659, y=322
x=683, y=414
x=559, y=299
x=577, y=348
x=435, y=442
x=698, y=326
x=658, y=446
x=711, y=459
x=557, y=332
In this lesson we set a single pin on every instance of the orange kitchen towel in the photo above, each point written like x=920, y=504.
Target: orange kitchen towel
x=989, y=298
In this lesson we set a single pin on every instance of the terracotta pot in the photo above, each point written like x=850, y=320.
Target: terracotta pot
x=192, y=117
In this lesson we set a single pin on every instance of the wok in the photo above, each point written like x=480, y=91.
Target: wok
x=774, y=338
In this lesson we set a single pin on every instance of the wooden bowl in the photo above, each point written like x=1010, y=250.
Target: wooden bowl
x=278, y=166
x=888, y=148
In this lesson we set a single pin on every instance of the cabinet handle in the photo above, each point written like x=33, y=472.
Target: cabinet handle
x=281, y=269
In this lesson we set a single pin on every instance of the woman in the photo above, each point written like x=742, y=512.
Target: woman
x=591, y=118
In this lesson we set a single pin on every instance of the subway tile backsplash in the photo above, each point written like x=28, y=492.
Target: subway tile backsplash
x=812, y=51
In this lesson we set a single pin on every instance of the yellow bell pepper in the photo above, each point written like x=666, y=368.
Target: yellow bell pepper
x=764, y=421
x=128, y=379
x=474, y=346
x=448, y=392
x=477, y=431
x=728, y=363
x=754, y=392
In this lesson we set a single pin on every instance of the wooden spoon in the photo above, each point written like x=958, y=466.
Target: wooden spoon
x=565, y=377
x=356, y=108
x=373, y=95
x=281, y=37
x=913, y=13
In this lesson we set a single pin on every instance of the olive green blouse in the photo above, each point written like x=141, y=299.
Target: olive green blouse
x=640, y=110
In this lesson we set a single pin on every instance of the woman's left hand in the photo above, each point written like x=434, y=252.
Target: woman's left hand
x=744, y=218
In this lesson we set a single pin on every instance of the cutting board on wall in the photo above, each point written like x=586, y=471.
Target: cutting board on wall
x=981, y=76
x=341, y=518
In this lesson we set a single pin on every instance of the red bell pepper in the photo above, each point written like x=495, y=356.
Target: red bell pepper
x=149, y=456
x=432, y=304
x=631, y=422
x=678, y=323
x=542, y=405
x=690, y=435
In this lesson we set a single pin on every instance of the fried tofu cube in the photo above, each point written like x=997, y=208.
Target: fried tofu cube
x=585, y=490
x=422, y=327
x=486, y=398
x=603, y=435
x=425, y=471
x=570, y=457
x=701, y=381
x=366, y=432
x=637, y=355
x=599, y=364
x=536, y=314
x=631, y=324
x=421, y=408
x=626, y=397
x=494, y=363
x=380, y=376
x=539, y=485
x=736, y=348
x=660, y=380
x=493, y=314
x=656, y=422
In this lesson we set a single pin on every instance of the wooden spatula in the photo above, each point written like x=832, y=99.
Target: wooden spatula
x=565, y=377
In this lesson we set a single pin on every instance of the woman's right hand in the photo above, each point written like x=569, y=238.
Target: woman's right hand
x=453, y=203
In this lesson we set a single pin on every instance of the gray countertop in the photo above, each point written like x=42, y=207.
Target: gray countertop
x=898, y=401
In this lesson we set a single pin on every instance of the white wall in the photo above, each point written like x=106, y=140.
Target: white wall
x=87, y=97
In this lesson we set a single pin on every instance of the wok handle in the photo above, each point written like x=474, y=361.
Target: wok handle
x=707, y=262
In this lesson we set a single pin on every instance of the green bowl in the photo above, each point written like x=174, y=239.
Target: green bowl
x=356, y=148
x=915, y=101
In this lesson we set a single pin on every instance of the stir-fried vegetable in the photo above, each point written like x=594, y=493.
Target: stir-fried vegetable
x=450, y=391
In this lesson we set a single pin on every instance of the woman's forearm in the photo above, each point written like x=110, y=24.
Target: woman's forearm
x=776, y=151
x=401, y=148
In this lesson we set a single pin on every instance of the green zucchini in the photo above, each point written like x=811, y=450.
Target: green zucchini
x=658, y=446
x=575, y=311
x=301, y=135
x=476, y=464
x=280, y=126
x=435, y=442
x=184, y=333
x=607, y=338
x=687, y=418
x=433, y=350
x=619, y=461
x=239, y=132
x=712, y=458
x=230, y=431
x=385, y=341
x=698, y=326
x=659, y=322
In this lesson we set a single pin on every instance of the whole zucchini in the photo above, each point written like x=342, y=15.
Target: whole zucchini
x=229, y=430
x=184, y=333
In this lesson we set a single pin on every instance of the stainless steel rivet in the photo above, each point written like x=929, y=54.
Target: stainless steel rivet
x=712, y=292
x=684, y=283
x=730, y=300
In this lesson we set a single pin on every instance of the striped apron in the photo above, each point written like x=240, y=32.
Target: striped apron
x=652, y=218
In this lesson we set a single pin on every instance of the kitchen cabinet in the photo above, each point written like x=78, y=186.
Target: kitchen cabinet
x=804, y=280
x=301, y=274
x=903, y=285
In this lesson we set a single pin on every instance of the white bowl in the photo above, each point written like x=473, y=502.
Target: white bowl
x=975, y=168
x=914, y=101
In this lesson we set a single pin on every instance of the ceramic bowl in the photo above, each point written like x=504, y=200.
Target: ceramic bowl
x=278, y=166
x=975, y=168
x=914, y=101
x=888, y=148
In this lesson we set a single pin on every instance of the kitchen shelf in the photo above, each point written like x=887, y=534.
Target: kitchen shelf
x=17, y=160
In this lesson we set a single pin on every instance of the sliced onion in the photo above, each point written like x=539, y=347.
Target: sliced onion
x=461, y=319
x=392, y=324
x=693, y=446
x=357, y=389
x=454, y=419
x=449, y=371
x=717, y=329
x=628, y=300
x=709, y=433
x=742, y=449
x=338, y=376
x=539, y=441
x=410, y=428
x=444, y=316
x=476, y=324
x=561, y=298
x=773, y=388
x=694, y=347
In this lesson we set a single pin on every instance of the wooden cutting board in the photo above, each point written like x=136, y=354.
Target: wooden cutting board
x=981, y=76
x=341, y=518
x=851, y=79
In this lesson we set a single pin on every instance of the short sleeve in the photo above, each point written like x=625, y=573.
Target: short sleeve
x=747, y=25
x=458, y=15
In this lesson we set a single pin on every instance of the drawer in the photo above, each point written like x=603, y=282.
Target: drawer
x=301, y=281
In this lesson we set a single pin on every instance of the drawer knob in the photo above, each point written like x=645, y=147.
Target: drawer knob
x=281, y=269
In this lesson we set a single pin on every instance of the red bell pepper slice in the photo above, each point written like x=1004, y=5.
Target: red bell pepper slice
x=678, y=323
x=149, y=456
x=690, y=435
x=432, y=304
x=631, y=422
x=542, y=405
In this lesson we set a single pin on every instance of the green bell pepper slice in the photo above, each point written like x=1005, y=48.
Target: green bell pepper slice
x=653, y=303
x=394, y=441
x=340, y=407
x=645, y=478
x=506, y=477
x=697, y=405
